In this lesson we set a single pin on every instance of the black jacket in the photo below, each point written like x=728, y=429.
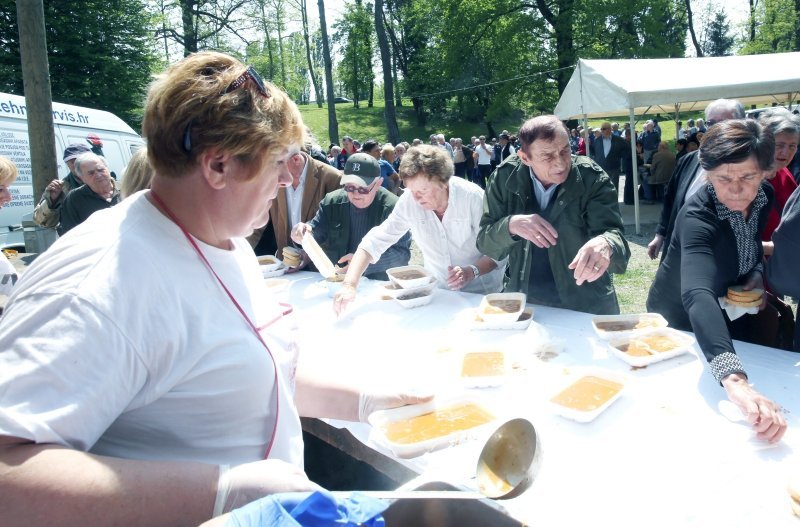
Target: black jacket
x=702, y=262
x=685, y=171
x=782, y=266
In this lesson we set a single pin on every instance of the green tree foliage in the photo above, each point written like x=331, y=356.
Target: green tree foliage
x=718, y=40
x=101, y=53
x=776, y=23
x=354, y=33
x=202, y=24
x=291, y=65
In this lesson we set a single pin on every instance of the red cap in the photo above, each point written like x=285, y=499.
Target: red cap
x=94, y=140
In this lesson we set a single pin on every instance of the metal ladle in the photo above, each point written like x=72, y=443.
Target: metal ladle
x=509, y=461
x=507, y=466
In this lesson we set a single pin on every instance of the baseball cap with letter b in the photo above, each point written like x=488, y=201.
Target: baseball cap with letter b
x=360, y=169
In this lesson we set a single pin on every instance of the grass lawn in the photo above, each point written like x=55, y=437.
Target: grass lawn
x=369, y=123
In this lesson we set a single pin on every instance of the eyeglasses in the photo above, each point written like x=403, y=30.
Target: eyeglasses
x=252, y=74
x=605, y=129
x=249, y=74
x=710, y=123
x=350, y=189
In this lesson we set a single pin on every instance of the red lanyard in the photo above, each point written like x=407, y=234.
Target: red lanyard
x=287, y=310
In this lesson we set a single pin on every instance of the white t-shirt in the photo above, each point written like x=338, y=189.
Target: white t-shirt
x=120, y=342
x=450, y=241
x=8, y=275
x=485, y=153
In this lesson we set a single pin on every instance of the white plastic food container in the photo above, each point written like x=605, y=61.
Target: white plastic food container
x=495, y=363
x=522, y=322
x=682, y=341
x=418, y=298
x=605, y=378
x=628, y=324
x=393, y=290
x=401, y=276
x=495, y=315
x=269, y=263
x=380, y=419
x=272, y=273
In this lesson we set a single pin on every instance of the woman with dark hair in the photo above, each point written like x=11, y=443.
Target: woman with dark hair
x=717, y=244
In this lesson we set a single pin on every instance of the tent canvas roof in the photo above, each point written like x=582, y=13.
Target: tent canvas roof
x=611, y=87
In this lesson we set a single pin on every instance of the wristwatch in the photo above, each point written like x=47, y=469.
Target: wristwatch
x=475, y=271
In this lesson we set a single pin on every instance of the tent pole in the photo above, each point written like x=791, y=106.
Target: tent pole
x=585, y=122
x=677, y=118
x=635, y=170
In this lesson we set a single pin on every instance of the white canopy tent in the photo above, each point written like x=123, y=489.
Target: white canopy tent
x=600, y=88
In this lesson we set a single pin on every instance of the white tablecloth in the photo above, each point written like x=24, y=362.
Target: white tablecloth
x=662, y=454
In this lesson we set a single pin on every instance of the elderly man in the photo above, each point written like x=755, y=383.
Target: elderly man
x=608, y=151
x=688, y=177
x=347, y=214
x=46, y=213
x=441, y=143
x=311, y=181
x=650, y=139
x=557, y=220
x=661, y=167
x=98, y=192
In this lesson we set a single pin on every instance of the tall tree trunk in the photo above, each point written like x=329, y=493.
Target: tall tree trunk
x=398, y=99
x=797, y=25
x=752, y=21
x=419, y=111
x=386, y=62
x=164, y=28
x=189, y=29
x=279, y=24
x=356, y=84
x=314, y=80
x=561, y=22
x=696, y=44
x=267, y=41
x=333, y=123
x=370, y=78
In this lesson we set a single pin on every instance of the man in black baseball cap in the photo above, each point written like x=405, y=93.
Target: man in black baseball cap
x=347, y=214
x=46, y=213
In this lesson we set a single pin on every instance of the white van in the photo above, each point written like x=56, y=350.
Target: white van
x=72, y=124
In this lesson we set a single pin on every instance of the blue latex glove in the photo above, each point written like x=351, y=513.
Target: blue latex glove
x=318, y=509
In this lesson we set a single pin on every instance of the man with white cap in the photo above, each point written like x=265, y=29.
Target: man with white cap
x=46, y=213
x=98, y=192
x=347, y=214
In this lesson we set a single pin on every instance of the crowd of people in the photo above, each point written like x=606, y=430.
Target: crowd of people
x=147, y=375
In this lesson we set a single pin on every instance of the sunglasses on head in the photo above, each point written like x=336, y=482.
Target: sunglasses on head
x=350, y=189
x=249, y=74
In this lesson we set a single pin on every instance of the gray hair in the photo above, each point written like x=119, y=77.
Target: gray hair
x=426, y=160
x=780, y=121
x=729, y=106
x=88, y=156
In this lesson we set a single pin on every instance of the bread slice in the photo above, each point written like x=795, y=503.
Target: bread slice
x=740, y=303
x=736, y=292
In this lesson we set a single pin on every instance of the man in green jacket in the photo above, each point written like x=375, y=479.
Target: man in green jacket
x=347, y=214
x=556, y=217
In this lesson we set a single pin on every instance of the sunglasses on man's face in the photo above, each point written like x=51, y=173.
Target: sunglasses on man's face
x=350, y=189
